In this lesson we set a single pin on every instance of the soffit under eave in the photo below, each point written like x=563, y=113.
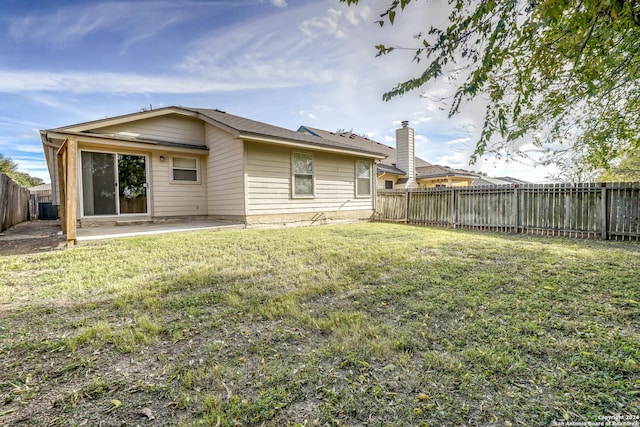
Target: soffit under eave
x=49, y=156
x=309, y=147
x=107, y=141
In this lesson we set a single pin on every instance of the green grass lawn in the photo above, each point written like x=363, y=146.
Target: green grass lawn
x=369, y=324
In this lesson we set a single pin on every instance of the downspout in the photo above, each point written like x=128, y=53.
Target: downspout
x=375, y=189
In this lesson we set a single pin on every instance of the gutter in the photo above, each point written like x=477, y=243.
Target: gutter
x=116, y=140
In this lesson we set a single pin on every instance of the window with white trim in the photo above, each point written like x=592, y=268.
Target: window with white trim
x=184, y=169
x=363, y=178
x=303, y=181
x=388, y=184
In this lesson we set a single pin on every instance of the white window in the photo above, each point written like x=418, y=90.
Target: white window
x=363, y=178
x=302, y=175
x=388, y=184
x=184, y=169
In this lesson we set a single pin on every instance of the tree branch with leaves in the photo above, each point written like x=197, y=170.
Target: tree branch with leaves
x=551, y=72
x=10, y=168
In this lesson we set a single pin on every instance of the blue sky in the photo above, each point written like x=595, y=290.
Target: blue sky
x=284, y=62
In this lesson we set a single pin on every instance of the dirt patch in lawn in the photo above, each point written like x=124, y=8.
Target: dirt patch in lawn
x=31, y=237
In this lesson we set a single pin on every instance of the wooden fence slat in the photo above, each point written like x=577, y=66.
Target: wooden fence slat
x=580, y=210
x=14, y=203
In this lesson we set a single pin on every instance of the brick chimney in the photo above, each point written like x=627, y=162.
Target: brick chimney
x=405, y=147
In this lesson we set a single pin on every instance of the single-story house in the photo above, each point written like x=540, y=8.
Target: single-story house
x=179, y=162
x=444, y=176
x=401, y=168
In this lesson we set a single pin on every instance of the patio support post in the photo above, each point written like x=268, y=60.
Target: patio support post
x=71, y=190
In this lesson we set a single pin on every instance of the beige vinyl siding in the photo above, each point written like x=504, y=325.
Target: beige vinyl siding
x=269, y=183
x=177, y=199
x=386, y=177
x=173, y=128
x=225, y=173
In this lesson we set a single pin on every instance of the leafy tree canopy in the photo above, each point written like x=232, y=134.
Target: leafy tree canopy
x=574, y=168
x=10, y=168
x=551, y=72
x=628, y=170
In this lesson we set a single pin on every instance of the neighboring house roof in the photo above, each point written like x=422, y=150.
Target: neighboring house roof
x=512, y=180
x=389, y=169
x=437, y=171
x=41, y=187
x=242, y=127
x=355, y=140
x=485, y=180
x=501, y=180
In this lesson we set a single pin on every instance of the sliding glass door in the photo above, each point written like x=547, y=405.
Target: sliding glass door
x=132, y=184
x=113, y=184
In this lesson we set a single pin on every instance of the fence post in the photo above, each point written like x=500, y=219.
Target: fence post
x=454, y=207
x=516, y=210
x=408, y=192
x=604, y=220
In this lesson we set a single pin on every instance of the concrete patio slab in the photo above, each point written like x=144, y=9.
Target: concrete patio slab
x=116, y=231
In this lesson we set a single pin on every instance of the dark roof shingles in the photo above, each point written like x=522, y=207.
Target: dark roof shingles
x=248, y=126
x=356, y=140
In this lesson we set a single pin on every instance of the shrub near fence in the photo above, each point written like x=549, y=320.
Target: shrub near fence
x=14, y=203
x=584, y=210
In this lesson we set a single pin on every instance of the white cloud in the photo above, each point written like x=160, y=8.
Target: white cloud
x=494, y=167
x=70, y=25
x=263, y=50
x=371, y=135
x=422, y=119
x=314, y=27
x=100, y=82
x=35, y=149
x=458, y=141
x=421, y=139
x=15, y=122
x=279, y=3
x=357, y=15
x=455, y=160
x=307, y=114
x=25, y=162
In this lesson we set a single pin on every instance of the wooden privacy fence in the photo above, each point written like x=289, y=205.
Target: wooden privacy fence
x=14, y=203
x=586, y=210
